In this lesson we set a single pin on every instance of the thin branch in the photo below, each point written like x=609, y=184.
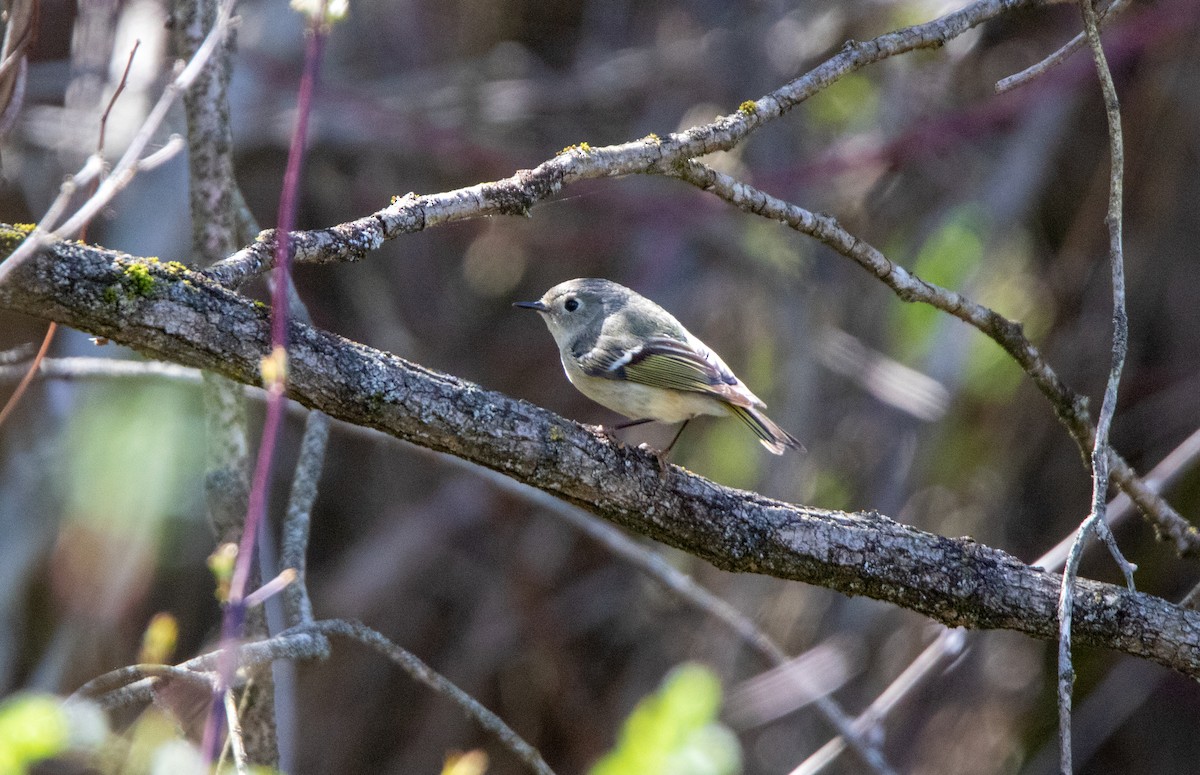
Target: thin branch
x=947, y=646
x=135, y=684
x=88, y=368
x=1120, y=344
x=125, y=169
x=31, y=371
x=275, y=367
x=299, y=514
x=125, y=686
x=235, y=734
x=286, y=578
x=1061, y=55
x=423, y=673
x=121, y=677
x=518, y=193
x=1069, y=406
x=112, y=101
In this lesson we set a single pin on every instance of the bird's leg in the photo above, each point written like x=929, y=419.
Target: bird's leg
x=632, y=423
x=609, y=432
x=679, y=433
x=662, y=456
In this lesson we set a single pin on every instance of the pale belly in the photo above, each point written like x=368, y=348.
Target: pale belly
x=641, y=402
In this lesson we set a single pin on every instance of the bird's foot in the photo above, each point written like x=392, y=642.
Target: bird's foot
x=660, y=455
x=610, y=434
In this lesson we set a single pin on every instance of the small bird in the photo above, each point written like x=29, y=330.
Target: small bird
x=625, y=352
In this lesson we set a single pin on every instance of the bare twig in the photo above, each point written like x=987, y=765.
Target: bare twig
x=30, y=372
x=516, y=194
x=84, y=367
x=135, y=683
x=116, y=679
x=1100, y=454
x=235, y=733
x=132, y=685
x=285, y=578
x=128, y=165
x=112, y=101
x=948, y=645
x=299, y=514
x=1066, y=50
x=423, y=673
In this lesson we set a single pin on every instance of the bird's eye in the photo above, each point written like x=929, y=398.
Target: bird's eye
x=571, y=304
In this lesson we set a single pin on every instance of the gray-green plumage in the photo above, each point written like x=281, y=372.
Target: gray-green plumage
x=625, y=352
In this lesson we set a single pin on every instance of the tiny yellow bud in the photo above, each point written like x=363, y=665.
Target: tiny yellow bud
x=335, y=10
x=159, y=639
x=274, y=368
x=221, y=563
x=469, y=763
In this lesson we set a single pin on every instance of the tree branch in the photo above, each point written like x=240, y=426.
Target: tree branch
x=168, y=312
x=516, y=194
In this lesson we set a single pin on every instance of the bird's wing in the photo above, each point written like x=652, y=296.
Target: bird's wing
x=671, y=364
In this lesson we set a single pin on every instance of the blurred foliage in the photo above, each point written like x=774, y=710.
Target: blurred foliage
x=947, y=258
x=32, y=727
x=132, y=456
x=42, y=733
x=675, y=731
x=469, y=763
x=850, y=104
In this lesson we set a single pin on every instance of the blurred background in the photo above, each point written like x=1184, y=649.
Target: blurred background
x=903, y=409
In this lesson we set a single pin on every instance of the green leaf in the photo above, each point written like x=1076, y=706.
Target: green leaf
x=947, y=258
x=130, y=461
x=675, y=732
x=33, y=727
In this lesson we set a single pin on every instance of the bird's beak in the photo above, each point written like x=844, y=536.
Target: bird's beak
x=537, y=305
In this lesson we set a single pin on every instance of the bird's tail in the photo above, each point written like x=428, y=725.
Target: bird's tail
x=771, y=435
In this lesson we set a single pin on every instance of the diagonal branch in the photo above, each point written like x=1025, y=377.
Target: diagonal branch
x=1060, y=55
x=1069, y=406
x=515, y=195
x=178, y=315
